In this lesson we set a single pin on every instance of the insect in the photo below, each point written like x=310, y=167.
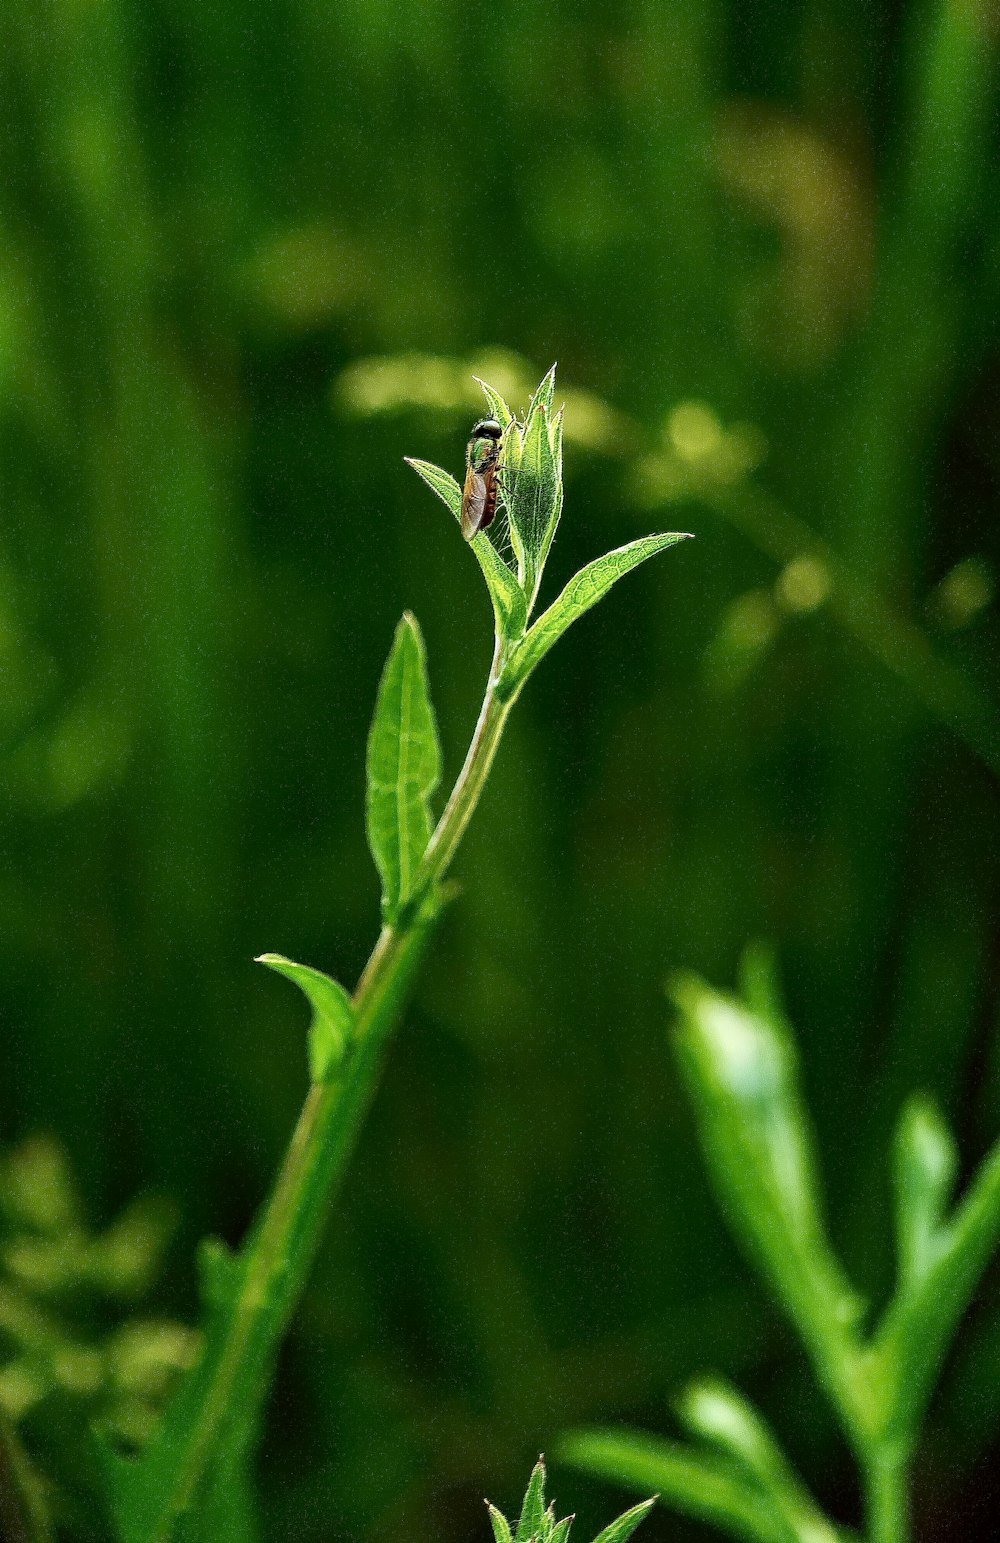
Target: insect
x=479, y=496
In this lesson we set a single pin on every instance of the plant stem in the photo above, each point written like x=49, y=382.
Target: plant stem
x=471, y=779
x=277, y=1256
x=886, y=1494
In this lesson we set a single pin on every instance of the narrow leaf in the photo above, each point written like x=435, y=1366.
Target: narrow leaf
x=533, y=1508
x=920, y=1322
x=404, y=766
x=333, y=1014
x=218, y=1273
x=926, y=1162
x=560, y=1532
x=499, y=1522
x=742, y=1074
x=715, y=1411
x=583, y=591
x=697, y=1484
x=508, y=601
x=626, y=1524
x=440, y=482
x=534, y=499
x=544, y=395
x=498, y=407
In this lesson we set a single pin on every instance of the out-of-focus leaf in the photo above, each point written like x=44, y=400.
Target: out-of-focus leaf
x=333, y=1014
x=404, y=767
x=713, y=1410
x=925, y=1168
x=583, y=591
x=742, y=1073
x=919, y=1323
x=698, y=1484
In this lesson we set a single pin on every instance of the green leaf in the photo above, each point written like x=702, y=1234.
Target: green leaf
x=742, y=1074
x=925, y=1168
x=922, y=1318
x=218, y=1273
x=404, y=766
x=617, y=1531
x=561, y=1530
x=506, y=596
x=697, y=1484
x=533, y=1508
x=499, y=1522
x=715, y=1411
x=24, y=1511
x=583, y=591
x=333, y=1013
x=534, y=499
x=440, y=482
x=497, y=406
x=544, y=395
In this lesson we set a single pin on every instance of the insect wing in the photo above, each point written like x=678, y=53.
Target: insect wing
x=473, y=503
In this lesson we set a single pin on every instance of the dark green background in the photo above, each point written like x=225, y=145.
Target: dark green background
x=790, y=212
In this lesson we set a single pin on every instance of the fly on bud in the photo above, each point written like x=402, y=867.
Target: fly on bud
x=479, y=495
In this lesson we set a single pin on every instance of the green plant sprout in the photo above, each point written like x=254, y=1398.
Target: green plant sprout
x=739, y=1062
x=191, y=1480
x=537, y=1521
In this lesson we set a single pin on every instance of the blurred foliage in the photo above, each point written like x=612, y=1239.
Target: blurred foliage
x=73, y=1351
x=249, y=259
x=739, y=1061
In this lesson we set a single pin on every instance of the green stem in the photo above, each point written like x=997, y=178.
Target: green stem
x=886, y=1494
x=279, y=1253
x=471, y=779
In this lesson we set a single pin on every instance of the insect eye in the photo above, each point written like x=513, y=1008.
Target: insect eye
x=487, y=428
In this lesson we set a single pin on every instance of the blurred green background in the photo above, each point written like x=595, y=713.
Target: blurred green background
x=250, y=256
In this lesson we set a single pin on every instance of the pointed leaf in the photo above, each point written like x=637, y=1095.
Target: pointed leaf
x=499, y=1522
x=626, y=1524
x=24, y=1511
x=921, y=1320
x=702, y=1485
x=218, y=1272
x=497, y=406
x=560, y=1532
x=582, y=592
x=925, y=1168
x=333, y=1013
x=533, y=1509
x=717, y=1412
x=547, y=1528
x=440, y=482
x=544, y=395
x=742, y=1074
x=404, y=766
x=509, y=607
x=534, y=498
